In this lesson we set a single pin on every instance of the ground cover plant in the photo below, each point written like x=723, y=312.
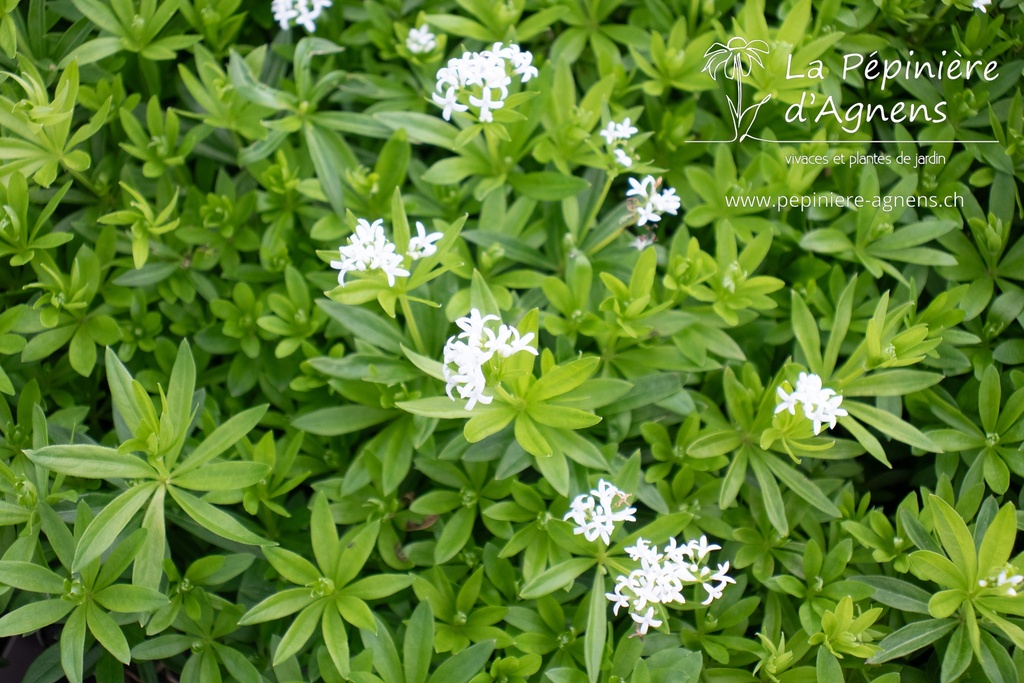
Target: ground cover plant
x=460, y=341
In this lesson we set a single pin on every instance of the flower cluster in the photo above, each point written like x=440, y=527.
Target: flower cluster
x=369, y=249
x=1003, y=583
x=595, y=514
x=649, y=204
x=481, y=79
x=471, y=350
x=302, y=13
x=616, y=133
x=663, y=575
x=820, y=404
x=420, y=40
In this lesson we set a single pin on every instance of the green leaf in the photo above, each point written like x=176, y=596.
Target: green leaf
x=802, y=486
x=911, y=638
x=805, y=327
x=278, y=605
x=597, y=629
x=456, y=533
x=120, y=383
x=377, y=587
x=291, y=566
x=956, y=538
x=827, y=667
x=437, y=406
x=547, y=185
x=892, y=426
x=91, y=462
x=126, y=598
x=336, y=640
x=215, y=519
x=222, y=438
x=180, y=388
x=562, y=379
x=418, y=647
x=463, y=666
x=72, y=645
x=105, y=528
x=222, y=476
x=300, y=630
x=958, y=655
x=997, y=544
x=422, y=128
x=31, y=577
x=108, y=633
x=33, y=616
x=897, y=593
x=555, y=578
x=771, y=494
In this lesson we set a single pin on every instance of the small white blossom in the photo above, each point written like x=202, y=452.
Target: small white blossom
x=482, y=79
x=298, y=12
x=449, y=103
x=471, y=350
x=640, y=188
x=646, y=621
x=595, y=513
x=422, y=244
x=369, y=249
x=485, y=104
x=662, y=576
x=641, y=242
x=820, y=404
x=624, y=159
x=609, y=134
x=421, y=40
x=982, y=5
x=624, y=131
x=646, y=214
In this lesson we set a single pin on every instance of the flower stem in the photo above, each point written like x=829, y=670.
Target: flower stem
x=410, y=321
x=591, y=217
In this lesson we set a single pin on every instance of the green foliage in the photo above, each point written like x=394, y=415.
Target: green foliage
x=222, y=461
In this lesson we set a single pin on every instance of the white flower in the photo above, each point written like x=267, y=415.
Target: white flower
x=472, y=349
x=820, y=404
x=641, y=188
x=982, y=5
x=623, y=158
x=449, y=102
x=701, y=547
x=646, y=621
x=486, y=76
x=827, y=411
x=663, y=575
x=422, y=245
x=619, y=599
x=298, y=12
x=421, y=40
x=595, y=514
x=624, y=130
x=647, y=214
x=641, y=242
x=486, y=104
x=666, y=202
x=370, y=249
x=608, y=133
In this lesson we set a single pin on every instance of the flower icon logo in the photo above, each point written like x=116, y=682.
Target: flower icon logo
x=734, y=60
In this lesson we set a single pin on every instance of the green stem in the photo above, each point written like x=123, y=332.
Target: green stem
x=414, y=329
x=79, y=178
x=592, y=214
